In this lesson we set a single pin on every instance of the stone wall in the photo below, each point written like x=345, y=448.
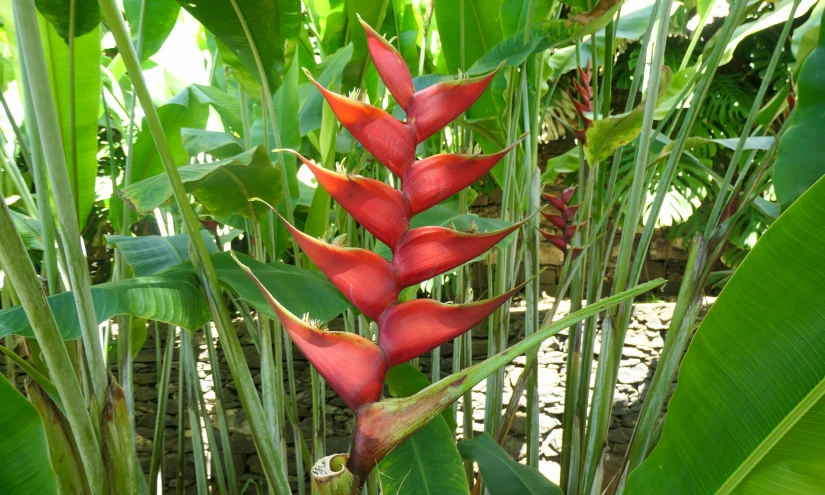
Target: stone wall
x=643, y=345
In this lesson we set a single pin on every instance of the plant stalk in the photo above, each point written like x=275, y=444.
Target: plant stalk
x=268, y=451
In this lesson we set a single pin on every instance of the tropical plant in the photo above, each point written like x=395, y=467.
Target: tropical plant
x=229, y=178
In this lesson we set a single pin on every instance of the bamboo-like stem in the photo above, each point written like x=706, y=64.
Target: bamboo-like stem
x=29, y=37
x=24, y=150
x=767, y=77
x=611, y=342
x=270, y=460
x=684, y=315
x=191, y=376
x=73, y=107
x=18, y=267
x=41, y=181
x=163, y=399
x=220, y=413
x=267, y=97
x=18, y=181
x=181, y=404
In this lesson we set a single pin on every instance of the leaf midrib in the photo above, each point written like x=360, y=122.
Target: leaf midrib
x=777, y=434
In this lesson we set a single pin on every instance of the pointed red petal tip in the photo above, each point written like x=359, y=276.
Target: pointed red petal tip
x=581, y=108
x=432, y=180
x=556, y=220
x=570, y=212
x=353, y=366
x=433, y=108
x=556, y=202
x=425, y=252
x=364, y=277
x=378, y=207
x=390, y=65
x=571, y=230
x=556, y=240
x=567, y=194
x=410, y=329
x=575, y=253
x=391, y=142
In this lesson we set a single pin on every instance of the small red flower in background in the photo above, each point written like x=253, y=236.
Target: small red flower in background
x=563, y=222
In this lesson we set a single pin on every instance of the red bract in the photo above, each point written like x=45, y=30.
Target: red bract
x=426, y=252
x=364, y=277
x=563, y=222
x=354, y=366
x=410, y=329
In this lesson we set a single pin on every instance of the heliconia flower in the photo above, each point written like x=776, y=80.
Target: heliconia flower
x=353, y=366
x=433, y=108
x=432, y=180
x=393, y=142
x=556, y=240
x=569, y=212
x=390, y=64
x=556, y=202
x=382, y=210
x=410, y=329
x=563, y=222
x=364, y=277
x=426, y=252
x=571, y=230
x=390, y=141
x=557, y=221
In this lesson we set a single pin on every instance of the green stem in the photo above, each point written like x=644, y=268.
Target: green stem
x=24, y=150
x=267, y=96
x=49, y=127
x=270, y=460
x=160, y=416
x=603, y=395
x=684, y=316
x=41, y=181
x=18, y=267
x=73, y=106
x=722, y=198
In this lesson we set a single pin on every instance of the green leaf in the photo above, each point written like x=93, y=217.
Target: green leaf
x=175, y=298
x=151, y=254
x=748, y=412
x=87, y=15
x=309, y=117
x=217, y=144
x=86, y=104
x=185, y=109
x=29, y=229
x=514, y=15
x=224, y=187
x=228, y=106
x=161, y=16
x=25, y=466
x=566, y=163
x=264, y=22
x=299, y=290
x=605, y=135
x=806, y=37
x=427, y=462
x=772, y=17
x=286, y=113
x=372, y=13
x=800, y=162
x=502, y=475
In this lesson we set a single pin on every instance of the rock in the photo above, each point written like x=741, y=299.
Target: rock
x=636, y=374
